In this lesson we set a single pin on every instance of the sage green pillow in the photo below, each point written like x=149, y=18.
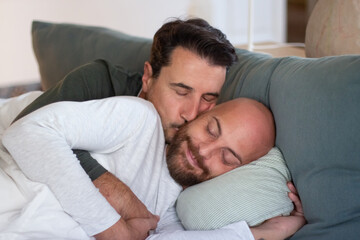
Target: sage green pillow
x=254, y=193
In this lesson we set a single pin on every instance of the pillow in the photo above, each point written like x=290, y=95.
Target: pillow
x=254, y=193
x=59, y=48
x=315, y=103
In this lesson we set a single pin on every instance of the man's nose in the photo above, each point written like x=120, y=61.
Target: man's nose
x=206, y=150
x=190, y=111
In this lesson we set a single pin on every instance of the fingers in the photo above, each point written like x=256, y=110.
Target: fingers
x=150, y=222
x=291, y=187
x=294, y=197
x=157, y=217
x=153, y=222
x=297, y=203
x=141, y=227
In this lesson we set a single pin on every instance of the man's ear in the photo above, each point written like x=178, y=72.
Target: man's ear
x=147, y=77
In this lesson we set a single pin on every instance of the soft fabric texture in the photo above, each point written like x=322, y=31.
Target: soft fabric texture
x=316, y=108
x=59, y=48
x=254, y=193
x=28, y=210
x=118, y=125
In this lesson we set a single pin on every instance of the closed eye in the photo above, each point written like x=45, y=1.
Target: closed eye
x=181, y=89
x=230, y=158
x=181, y=93
x=211, y=133
x=210, y=97
x=213, y=127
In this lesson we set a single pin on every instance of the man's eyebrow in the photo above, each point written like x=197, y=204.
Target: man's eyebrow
x=181, y=85
x=232, y=151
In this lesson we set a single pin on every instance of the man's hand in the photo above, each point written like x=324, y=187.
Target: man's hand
x=121, y=198
x=136, y=221
x=282, y=227
x=132, y=229
x=294, y=196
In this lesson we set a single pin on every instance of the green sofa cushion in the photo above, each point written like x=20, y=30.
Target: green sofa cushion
x=319, y=103
x=59, y=48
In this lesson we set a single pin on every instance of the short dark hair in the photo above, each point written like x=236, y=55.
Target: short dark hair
x=196, y=35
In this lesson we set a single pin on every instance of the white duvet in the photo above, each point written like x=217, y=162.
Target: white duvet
x=28, y=209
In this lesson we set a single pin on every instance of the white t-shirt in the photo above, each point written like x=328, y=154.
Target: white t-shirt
x=125, y=135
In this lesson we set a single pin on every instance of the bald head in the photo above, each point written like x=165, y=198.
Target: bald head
x=254, y=124
x=228, y=136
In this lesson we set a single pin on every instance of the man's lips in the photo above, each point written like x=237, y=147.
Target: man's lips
x=176, y=127
x=191, y=159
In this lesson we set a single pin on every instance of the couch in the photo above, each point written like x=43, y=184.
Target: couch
x=315, y=103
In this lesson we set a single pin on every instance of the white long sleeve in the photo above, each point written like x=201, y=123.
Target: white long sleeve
x=170, y=227
x=41, y=144
x=235, y=231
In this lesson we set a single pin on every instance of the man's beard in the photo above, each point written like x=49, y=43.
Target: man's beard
x=179, y=167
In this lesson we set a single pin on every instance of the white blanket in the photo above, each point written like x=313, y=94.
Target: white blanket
x=28, y=209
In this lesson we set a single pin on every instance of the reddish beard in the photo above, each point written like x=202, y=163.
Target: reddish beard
x=179, y=167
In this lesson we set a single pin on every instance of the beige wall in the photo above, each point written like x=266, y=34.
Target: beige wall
x=136, y=17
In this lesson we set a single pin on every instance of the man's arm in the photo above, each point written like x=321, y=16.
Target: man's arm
x=96, y=80
x=41, y=143
x=282, y=227
x=120, y=196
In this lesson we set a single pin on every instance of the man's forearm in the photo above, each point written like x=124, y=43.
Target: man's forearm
x=278, y=228
x=132, y=229
x=120, y=196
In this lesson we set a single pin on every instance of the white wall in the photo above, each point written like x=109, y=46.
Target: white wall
x=231, y=16
x=137, y=17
